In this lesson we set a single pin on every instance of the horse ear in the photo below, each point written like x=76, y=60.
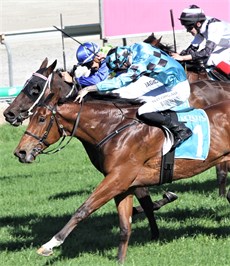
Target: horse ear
x=52, y=67
x=44, y=63
x=157, y=42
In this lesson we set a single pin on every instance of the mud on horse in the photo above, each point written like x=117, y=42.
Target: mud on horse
x=127, y=160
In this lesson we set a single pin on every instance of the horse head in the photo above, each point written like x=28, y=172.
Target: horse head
x=35, y=87
x=151, y=39
x=39, y=129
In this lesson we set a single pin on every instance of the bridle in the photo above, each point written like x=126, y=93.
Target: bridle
x=46, y=84
x=42, y=140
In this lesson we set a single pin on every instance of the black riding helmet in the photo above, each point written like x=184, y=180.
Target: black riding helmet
x=190, y=16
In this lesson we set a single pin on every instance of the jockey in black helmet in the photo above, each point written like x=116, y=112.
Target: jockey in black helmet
x=212, y=32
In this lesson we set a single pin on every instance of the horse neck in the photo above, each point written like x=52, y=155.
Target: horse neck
x=207, y=92
x=97, y=119
x=58, y=83
x=195, y=76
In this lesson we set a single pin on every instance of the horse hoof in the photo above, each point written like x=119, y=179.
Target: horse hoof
x=170, y=196
x=44, y=251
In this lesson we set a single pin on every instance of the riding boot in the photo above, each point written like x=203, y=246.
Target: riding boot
x=179, y=130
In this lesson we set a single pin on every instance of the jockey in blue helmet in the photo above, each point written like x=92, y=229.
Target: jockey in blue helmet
x=91, y=67
x=144, y=59
x=86, y=52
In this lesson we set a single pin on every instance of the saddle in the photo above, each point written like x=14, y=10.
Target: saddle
x=221, y=72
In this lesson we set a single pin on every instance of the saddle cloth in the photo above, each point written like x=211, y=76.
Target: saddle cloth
x=197, y=146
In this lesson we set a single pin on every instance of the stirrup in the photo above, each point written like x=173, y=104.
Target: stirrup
x=179, y=139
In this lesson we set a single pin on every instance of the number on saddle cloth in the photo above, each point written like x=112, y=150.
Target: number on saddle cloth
x=197, y=146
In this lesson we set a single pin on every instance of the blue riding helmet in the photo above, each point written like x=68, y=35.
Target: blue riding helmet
x=86, y=52
x=117, y=57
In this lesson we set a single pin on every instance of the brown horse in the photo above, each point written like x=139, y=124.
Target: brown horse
x=37, y=86
x=128, y=159
x=203, y=93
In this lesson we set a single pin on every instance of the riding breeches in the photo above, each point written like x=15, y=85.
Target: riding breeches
x=143, y=86
x=219, y=55
x=165, y=99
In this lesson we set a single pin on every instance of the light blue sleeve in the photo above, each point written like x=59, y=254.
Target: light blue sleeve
x=124, y=79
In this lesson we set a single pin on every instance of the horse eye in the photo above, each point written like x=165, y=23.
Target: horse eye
x=41, y=119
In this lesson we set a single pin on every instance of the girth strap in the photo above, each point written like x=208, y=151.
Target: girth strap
x=167, y=163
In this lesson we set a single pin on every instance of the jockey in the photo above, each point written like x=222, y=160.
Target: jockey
x=143, y=59
x=215, y=34
x=91, y=67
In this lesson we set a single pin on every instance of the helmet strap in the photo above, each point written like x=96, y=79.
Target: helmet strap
x=198, y=27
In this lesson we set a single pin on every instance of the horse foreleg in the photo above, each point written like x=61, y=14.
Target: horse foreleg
x=124, y=205
x=105, y=191
x=221, y=174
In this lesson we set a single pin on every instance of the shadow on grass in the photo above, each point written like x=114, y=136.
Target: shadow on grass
x=191, y=184
x=207, y=187
x=99, y=233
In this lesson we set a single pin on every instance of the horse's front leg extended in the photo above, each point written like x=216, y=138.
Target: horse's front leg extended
x=110, y=187
x=124, y=205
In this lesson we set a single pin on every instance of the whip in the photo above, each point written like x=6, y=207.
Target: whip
x=75, y=40
x=172, y=23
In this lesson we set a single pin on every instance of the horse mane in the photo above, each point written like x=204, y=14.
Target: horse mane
x=108, y=98
x=112, y=98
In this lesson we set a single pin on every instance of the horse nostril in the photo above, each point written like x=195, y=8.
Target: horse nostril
x=20, y=154
x=9, y=115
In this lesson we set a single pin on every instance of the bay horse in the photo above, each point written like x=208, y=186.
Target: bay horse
x=38, y=86
x=203, y=93
x=129, y=159
x=35, y=89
